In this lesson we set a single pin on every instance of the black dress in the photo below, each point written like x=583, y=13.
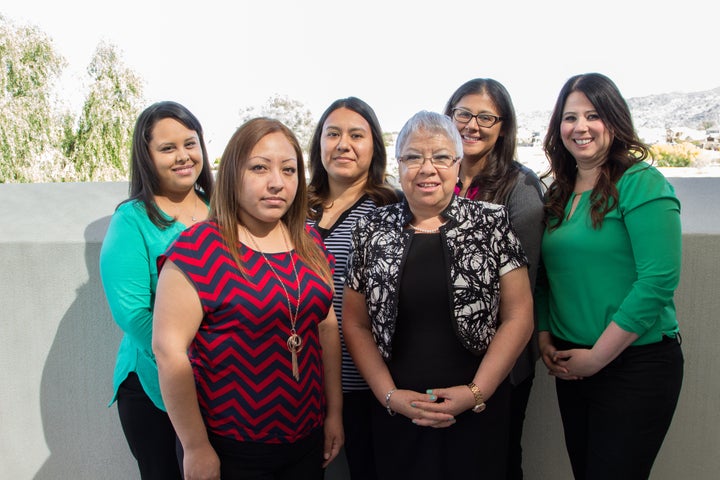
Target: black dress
x=427, y=354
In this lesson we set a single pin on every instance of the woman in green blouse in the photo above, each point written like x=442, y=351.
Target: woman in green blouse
x=170, y=185
x=611, y=251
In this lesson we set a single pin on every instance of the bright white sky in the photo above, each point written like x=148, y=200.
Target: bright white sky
x=400, y=56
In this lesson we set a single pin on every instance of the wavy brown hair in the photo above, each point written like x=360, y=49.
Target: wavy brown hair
x=626, y=149
x=499, y=173
x=225, y=204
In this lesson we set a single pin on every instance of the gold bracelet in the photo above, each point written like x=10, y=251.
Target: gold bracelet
x=479, y=401
x=390, y=411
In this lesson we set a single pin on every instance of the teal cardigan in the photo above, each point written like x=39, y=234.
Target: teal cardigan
x=129, y=275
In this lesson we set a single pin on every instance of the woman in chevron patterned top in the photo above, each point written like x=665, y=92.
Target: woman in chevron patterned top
x=247, y=343
x=347, y=181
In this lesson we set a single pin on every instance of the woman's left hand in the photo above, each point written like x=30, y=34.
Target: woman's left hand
x=578, y=362
x=334, y=438
x=451, y=401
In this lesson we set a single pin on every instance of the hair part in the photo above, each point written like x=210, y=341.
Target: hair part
x=144, y=179
x=626, y=149
x=376, y=185
x=225, y=205
x=499, y=172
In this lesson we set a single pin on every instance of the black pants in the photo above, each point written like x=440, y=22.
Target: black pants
x=148, y=431
x=358, y=434
x=301, y=460
x=519, y=396
x=616, y=420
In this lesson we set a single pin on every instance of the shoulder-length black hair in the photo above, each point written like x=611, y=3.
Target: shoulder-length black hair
x=144, y=181
x=376, y=185
x=499, y=173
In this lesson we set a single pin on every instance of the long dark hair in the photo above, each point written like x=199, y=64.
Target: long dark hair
x=376, y=185
x=499, y=173
x=144, y=181
x=626, y=149
x=225, y=203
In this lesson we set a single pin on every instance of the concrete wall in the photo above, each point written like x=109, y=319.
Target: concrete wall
x=58, y=344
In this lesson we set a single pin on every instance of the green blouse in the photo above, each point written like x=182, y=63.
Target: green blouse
x=625, y=272
x=129, y=275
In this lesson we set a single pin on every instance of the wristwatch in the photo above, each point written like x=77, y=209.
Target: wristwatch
x=479, y=401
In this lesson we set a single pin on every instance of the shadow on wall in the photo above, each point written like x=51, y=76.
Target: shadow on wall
x=76, y=384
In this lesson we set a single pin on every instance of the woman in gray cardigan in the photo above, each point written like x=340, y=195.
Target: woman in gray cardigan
x=483, y=113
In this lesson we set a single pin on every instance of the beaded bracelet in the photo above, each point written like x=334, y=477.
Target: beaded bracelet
x=390, y=411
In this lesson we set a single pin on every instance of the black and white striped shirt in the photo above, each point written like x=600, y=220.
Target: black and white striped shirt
x=338, y=241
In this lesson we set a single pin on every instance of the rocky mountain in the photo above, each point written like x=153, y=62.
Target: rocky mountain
x=694, y=110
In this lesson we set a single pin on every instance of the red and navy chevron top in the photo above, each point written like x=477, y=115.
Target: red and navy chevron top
x=239, y=356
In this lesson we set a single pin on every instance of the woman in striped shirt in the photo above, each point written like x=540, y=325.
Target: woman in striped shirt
x=347, y=181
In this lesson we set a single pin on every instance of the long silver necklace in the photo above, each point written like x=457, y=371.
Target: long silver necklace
x=294, y=341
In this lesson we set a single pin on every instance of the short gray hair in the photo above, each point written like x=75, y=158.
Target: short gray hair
x=430, y=122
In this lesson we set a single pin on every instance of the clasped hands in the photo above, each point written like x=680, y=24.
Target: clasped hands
x=436, y=408
x=574, y=364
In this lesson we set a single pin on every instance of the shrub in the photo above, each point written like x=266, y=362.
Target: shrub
x=674, y=155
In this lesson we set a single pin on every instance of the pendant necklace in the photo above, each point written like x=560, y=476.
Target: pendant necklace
x=192, y=217
x=294, y=341
x=194, y=211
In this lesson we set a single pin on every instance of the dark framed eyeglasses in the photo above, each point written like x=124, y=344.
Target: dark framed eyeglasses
x=485, y=120
x=439, y=160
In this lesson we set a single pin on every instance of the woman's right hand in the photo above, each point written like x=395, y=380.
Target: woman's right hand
x=547, y=349
x=201, y=463
x=421, y=408
x=550, y=357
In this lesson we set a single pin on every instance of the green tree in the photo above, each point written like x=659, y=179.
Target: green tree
x=100, y=146
x=292, y=113
x=29, y=133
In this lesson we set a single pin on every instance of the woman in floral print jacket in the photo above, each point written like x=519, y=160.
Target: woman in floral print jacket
x=426, y=283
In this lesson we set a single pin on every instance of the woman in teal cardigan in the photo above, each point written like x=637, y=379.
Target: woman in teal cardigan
x=611, y=251
x=170, y=184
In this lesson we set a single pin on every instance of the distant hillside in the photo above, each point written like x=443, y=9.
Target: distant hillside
x=690, y=110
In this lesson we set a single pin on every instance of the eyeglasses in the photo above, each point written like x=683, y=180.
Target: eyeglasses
x=485, y=120
x=439, y=160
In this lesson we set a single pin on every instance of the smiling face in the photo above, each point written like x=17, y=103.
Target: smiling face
x=269, y=181
x=177, y=155
x=428, y=189
x=478, y=141
x=346, y=147
x=583, y=132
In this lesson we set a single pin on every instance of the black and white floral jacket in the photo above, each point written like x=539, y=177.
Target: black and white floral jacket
x=479, y=247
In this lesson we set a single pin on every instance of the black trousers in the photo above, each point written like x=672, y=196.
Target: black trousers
x=359, y=452
x=616, y=420
x=301, y=460
x=519, y=397
x=148, y=431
